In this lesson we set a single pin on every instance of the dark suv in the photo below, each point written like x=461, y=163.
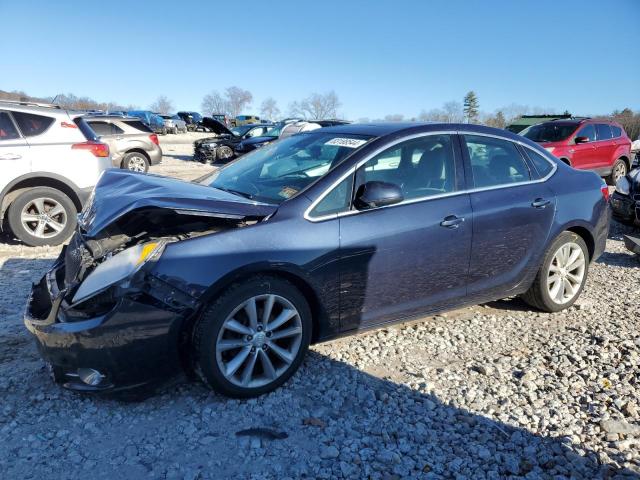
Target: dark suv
x=588, y=144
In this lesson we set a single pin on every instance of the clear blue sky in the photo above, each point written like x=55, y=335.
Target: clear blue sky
x=381, y=57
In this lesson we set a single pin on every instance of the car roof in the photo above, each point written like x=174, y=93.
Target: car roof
x=109, y=117
x=36, y=108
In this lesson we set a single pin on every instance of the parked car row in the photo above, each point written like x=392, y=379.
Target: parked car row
x=234, y=142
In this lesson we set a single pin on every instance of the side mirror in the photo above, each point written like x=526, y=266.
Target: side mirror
x=377, y=194
x=581, y=140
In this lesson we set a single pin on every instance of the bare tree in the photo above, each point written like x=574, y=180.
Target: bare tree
x=451, y=112
x=162, y=105
x=316, y=106
x=237, y=100
x=269, y=109
x=214, y=103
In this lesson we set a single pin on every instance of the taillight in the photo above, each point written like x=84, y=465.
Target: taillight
x=154, y=138
x=604, y=188
x=98, y=149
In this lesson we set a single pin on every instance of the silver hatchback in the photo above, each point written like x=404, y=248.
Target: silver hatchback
x=132, y=144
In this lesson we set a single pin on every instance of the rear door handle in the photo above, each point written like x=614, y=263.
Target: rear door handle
x=10, y=156
x=451, y=221
x=540, y=203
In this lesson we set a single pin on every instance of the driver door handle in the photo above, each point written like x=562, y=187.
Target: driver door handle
x=451, y=221
x=540, y=203
x=10, y=156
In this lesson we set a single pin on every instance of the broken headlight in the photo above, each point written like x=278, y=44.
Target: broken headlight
x=117, y=268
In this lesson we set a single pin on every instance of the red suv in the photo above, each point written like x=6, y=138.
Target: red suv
x=588, y=144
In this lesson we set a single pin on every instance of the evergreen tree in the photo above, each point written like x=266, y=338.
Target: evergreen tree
x=471, y=107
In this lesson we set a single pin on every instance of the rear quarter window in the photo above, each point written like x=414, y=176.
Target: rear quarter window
x=30, y=124
x=616, y=131
x=7, y=128
x=541, y=164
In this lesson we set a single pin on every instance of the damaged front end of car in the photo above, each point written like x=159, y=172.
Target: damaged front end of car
x=102, y=320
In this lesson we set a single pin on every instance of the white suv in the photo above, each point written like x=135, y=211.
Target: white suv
x=50, y=160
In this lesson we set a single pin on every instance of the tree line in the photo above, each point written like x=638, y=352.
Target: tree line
x=235, y=100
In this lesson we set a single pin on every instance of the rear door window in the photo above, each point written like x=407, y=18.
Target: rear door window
x=603, y=131
x=138, y=125
x=8, y=130
x=495, y=162
x=30, y=124
x=101, y=128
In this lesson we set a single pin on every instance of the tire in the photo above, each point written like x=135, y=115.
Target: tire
x=135, y=162
x=224, y=356
x=540, y=294
x=54, y=228
x=224, y=153
x=618, y=171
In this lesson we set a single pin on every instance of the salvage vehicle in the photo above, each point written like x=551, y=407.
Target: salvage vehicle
x=174, y=124
x=241, y=120
x=592, y=144
x=222, y=147
x=310, y=238
x=625, y=200
x=250, y=144
x=132, y=144
x=51, y=159
x=192, y=119
x=152, y=120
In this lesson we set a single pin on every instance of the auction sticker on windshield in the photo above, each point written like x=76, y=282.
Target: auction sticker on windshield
x=346, y=142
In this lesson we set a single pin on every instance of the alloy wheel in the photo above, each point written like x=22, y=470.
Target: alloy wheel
x=619, y=171
x=566, y=273
x=43, y=217
x=225, y=153
x=136, y=164
x=258, y=341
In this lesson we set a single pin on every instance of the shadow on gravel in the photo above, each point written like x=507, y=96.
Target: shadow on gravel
x=625, y=259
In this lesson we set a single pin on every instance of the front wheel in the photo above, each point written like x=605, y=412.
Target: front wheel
x=253, y=337
x=618, y=171
x=562, y=275
x=224, y=153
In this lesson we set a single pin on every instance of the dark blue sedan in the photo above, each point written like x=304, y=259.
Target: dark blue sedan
x=306, y=239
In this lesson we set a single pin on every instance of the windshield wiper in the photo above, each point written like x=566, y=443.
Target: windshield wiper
x=235, y=192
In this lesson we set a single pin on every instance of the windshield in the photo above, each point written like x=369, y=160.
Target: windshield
x=281, y=169
x=549, y=132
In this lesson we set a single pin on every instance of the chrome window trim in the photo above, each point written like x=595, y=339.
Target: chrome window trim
x=352, y=170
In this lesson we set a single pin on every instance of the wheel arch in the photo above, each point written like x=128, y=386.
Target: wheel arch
x=586, y=235
x=296, y=278
x=38, y=179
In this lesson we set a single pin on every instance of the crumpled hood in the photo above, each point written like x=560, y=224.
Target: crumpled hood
x=119, y=192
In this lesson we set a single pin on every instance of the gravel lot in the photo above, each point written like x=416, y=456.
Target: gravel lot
x=492, y=391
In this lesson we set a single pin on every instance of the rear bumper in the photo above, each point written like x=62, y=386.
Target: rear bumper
x=155, y=155
x=134, y=345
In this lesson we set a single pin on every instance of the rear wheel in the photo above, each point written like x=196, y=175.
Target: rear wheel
x=618, y=171
x=42, y=216
x=562, y=275
x=136, y=162
x=253, y=337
